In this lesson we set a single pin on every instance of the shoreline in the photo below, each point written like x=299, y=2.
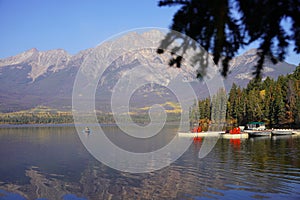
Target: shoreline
x=48, y=125
x=62, y=125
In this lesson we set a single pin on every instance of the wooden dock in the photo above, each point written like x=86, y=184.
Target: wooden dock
x=213, y=134
x=201, y=134
x=235, y=136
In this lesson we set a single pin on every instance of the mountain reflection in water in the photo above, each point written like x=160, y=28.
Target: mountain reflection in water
x=51, y=163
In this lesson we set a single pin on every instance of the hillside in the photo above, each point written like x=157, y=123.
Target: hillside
x=45, y=78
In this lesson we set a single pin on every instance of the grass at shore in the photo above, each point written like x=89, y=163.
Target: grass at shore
x=45, y=115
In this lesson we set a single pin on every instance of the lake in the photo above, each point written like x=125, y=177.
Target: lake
x=52, y=163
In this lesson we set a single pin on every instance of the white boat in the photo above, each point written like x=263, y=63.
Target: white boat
x=258, y=126
x=282, y=132
x=253, y=133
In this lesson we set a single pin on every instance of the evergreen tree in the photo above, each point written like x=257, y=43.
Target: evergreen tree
x=207, y=108
x=291, y=101
x=219, y=102
x=232, y=102
x=296, y=110
x=240, y=106
x=279, y=107
x=269, y=88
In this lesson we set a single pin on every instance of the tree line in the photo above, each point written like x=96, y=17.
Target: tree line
x=36, y=118
x=67, y=118
x=275, y=102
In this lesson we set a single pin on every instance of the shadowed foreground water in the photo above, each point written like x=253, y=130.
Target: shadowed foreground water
x=51, y=163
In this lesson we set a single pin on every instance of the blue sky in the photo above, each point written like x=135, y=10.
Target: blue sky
x=76, y=25
x=73, y=25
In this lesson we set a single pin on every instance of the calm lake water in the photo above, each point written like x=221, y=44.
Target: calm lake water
x=51, y=163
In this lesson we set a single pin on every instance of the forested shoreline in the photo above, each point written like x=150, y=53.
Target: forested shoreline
x=275, y=102
x=47, y=117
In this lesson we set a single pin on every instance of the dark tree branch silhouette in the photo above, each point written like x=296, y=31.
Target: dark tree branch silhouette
x=222, y=27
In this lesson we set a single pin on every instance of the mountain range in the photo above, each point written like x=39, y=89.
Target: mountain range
x=45, y=78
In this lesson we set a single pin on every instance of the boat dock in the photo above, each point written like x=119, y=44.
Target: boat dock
x=201, y=134
x=242, y=135
x=213, y=134
x=235, y=136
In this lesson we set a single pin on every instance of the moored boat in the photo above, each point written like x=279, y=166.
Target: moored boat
x=259, y=133
x=282, y=132
x=258, y=126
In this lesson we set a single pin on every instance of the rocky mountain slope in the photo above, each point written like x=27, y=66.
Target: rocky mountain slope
x=242, y=68
x=46, y=78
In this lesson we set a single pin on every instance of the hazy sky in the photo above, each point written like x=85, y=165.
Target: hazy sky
x=76, y=25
